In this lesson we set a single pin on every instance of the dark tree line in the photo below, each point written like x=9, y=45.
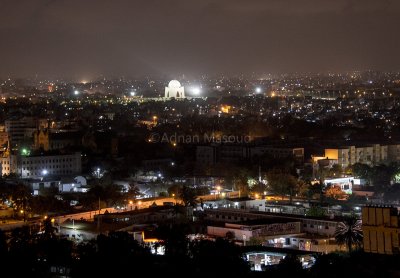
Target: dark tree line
x=27, y=253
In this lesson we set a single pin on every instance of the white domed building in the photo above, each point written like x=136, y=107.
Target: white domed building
x=175, y=90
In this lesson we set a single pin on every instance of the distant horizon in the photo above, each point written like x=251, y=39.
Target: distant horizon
x=255, y=76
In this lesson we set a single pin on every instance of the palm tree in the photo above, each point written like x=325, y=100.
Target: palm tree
x=349, y=232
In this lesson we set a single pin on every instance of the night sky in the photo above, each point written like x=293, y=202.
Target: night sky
x=85, y=38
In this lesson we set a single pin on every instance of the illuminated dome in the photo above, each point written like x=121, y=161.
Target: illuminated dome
x=174, y=90
x=174, y=84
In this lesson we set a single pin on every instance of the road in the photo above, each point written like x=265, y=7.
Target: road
x=88, y=215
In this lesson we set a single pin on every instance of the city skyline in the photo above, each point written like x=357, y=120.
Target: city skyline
x=135, y=38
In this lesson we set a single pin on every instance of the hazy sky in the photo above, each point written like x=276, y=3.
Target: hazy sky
x=84, y=38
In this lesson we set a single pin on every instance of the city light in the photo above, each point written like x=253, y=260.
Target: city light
x=76, y=92
x=132, y=94
x=45, y=172
x=196, y=90
x=258, y=90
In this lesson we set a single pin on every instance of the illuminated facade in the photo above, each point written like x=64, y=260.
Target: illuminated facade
x=381, y=230
x=374, y=154
x=41, y=139
x=174, y=90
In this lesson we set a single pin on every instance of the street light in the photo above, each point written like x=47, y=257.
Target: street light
x=131, y=203
x=218, y=191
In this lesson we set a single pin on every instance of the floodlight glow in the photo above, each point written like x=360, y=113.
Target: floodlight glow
x=196, y=91
x=45, y=172
x=258, y=90
x=132, y=94
x=76, y=92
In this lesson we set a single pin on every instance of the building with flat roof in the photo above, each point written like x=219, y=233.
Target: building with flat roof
x=381, y=229
x=49, y=165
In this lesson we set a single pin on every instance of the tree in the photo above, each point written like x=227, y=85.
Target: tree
x=174, y=190
x=335, y=171
x=258, y=188
x=302, y=188
x=381, y=176
x=21, y=196
x=335, y=192
x=290, y=265
x=188, y=196
x=392, y=194
x=316, y=212
x=218, y=258
x=282, y=183
x=349, y=232
x=133, y=192
x=109, y=195
x=49, y=232
x=313, y=190
x=362, y=171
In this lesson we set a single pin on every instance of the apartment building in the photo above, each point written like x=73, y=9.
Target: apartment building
x=381, y=229
x=374, y=154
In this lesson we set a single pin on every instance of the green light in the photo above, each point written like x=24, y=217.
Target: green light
x=25, y=152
